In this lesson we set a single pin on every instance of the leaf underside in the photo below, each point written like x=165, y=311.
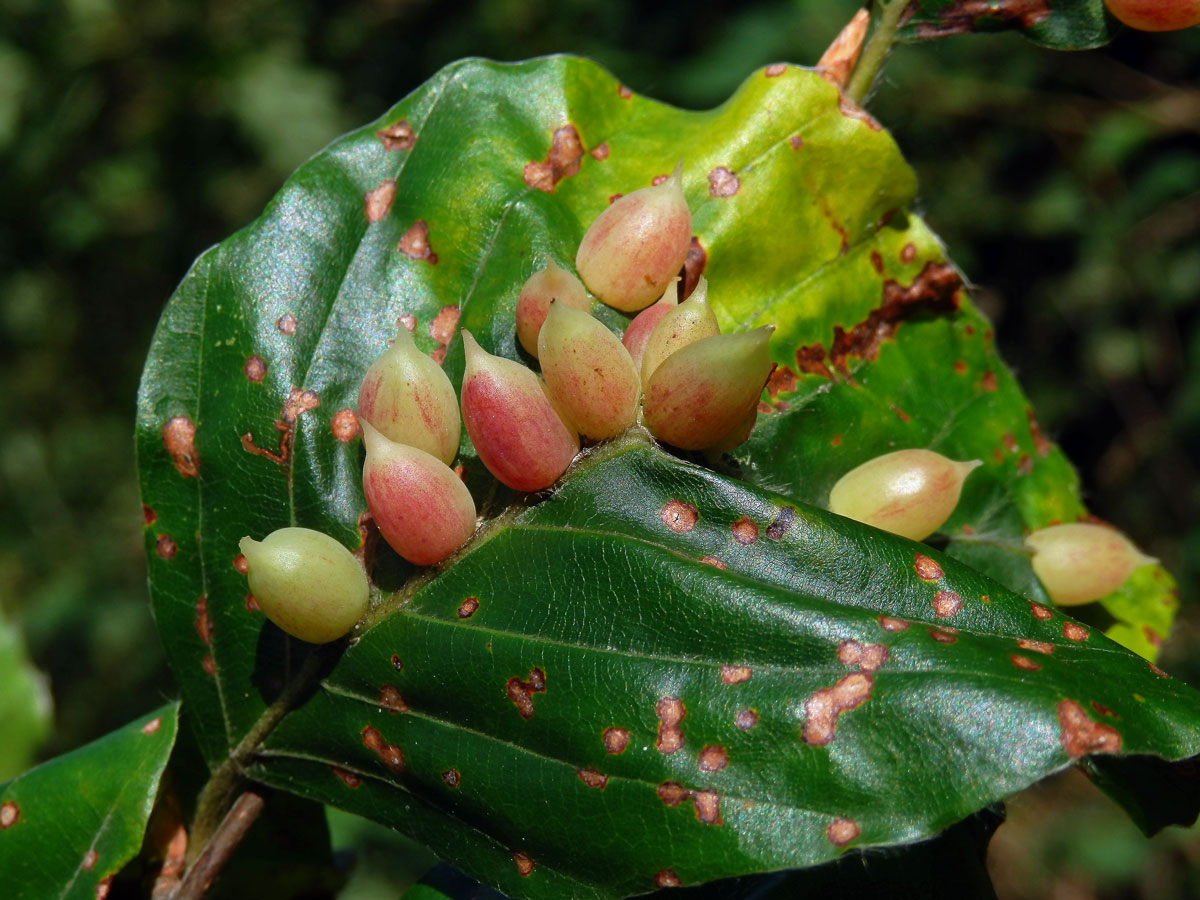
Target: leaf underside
x=69, y=825
x=798, y=200
x=1057, y=24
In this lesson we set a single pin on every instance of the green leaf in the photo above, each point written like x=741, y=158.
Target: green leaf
x=799, y=205
x=69, y=825
x=25, y=705
x=592, y=595
x=1058, y=24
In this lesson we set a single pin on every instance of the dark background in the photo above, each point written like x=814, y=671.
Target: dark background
x=135, y=135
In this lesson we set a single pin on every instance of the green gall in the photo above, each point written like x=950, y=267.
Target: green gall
x=551, y=283
x=306, y=583
x=1081, y=562
x=909, y=492
x=634, y=248
x=409, y=399
x=690, y=321
x=588, y=373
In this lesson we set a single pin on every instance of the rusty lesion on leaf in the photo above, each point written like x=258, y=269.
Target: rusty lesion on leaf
x=389, y=698
x=562, y=160
x=297, y=403
x=707, y=806
x=1040, y=612
x=1035, y=646
x=745, y=719
x=615, y=740
x=722, y=182
x=678, y=516
x=965, y=16
x=841, y=832
x=713, y=758
x=524, y=863
x=179, y=437
x=521, y=692
x=891, y=623
x=735, y=674
x=1073, y=631
x=397, y=136
x=946, y=604
x=389, y=754
x=1080, y=735
x=451, y=778
x=822, y=709
x=744, y=530
x=377, y=202
x=442, y=329
x=670, y=712
x=348, y=778
x=165, y=547
x=467, y=608
x=666, y=878
x=592, y=777
x=9, y=814
x=693, y=267
x=865, y=657
x=203, y=621
x=343, y=425
x=415, y=244
x=926, y=568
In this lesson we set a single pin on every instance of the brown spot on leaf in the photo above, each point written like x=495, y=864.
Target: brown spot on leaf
x=240, y=565
x=960, y=367
x=935, y=290
x=670, y=712
x=965, y=16
x=613, y=198
x=1024, y=464
x=693, y=267
x=1152, y=636
x=297, y=403
x=713, y=758
x=744, y=531
x=667, y=878
x=659, y=179
x=908, y=254
x=203, y=622
x=781, y=380
x=1104, y=710
x=389, y=698
x=796, y=141
x=562, y=161
x=712, y=561
x=9, y=813
x=722, y=182
x=600, y=152
x=988, y=381
x=349, y=779
x=623, y=92
x=415, y=243
x=397, y=663
x=868, y=658
x=524, y=863
x=89, y=859
x=251, y=604
x=152, y=726
x=1075, y=632
x=1024, y=662
x=209, y=665
x=672, y=793
x=877, y=261
x=397, y=136
x=593, y=778
x=707, y=805
x=810, y=360
x=942, y=635
x=165, y=547
x=344, y=425
x=103, y=887
x=615, y=740
x=946, y=604
x=852, y=110
x=408, y=320
x=451, y=777
x=149, y=516
x=836, y=441
x=179, y=437
x=467, y=608
x=678, y=516
x=1080, y=735
x=521, y=692
x=389, y=754
x=1035, y=646
x=822, y=709
x=774, y=70
x=890, y=623
x=444, y=324
x=735, y=674
x=287, y=324
x=927, y=569
x=1156, y=670
x=1040, y=612
x=783, y=521
x=378, y=202
x=745, y=719
x=842, y=831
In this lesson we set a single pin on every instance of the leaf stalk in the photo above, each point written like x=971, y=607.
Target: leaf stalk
x=875, y=54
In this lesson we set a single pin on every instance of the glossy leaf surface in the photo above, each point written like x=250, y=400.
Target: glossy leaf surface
x=798, y=202
x=69, y=825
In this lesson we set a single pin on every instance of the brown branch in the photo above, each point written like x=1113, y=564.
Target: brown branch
x=220, y=847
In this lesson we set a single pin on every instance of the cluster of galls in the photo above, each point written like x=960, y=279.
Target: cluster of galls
x=690, y=385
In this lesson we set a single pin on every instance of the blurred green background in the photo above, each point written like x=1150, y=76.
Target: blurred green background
x=133, y=135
